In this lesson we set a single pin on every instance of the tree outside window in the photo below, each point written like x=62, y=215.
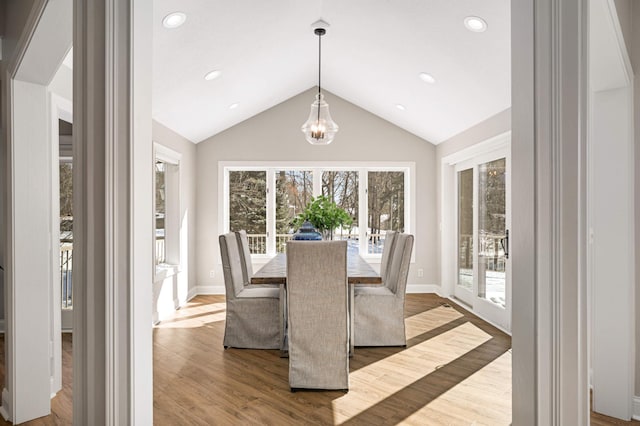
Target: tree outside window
x=248, y=206
x=385, y=206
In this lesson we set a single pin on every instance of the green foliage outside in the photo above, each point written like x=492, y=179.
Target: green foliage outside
x=66, y=197
x=324, y=215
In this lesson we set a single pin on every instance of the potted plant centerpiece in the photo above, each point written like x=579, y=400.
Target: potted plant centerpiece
x=324, y=215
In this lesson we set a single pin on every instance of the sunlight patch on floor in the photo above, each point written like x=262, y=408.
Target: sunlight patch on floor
x=377, y=381
x=429, y=320
x=196, y=316
x=491, y=390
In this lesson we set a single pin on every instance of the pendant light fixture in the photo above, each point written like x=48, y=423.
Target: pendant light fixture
x=319, y=129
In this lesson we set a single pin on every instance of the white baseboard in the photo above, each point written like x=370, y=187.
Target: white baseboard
x=1, y=326
x=423, y=288
x=636, y=408
x=208, y=289
x=468, y=308
x=193, y=292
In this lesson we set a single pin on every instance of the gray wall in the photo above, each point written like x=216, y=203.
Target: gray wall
x=274, y=135
x=493, y=126
x=624, y=11
x=187, y=275
x=634, y=46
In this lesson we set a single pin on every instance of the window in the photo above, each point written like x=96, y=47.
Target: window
x=166, y=206
x=264, y=198
x=248, y=207
x=294, y=189
x=66, y=231
x=161, y=209
x=385, y=194
x=341, y=187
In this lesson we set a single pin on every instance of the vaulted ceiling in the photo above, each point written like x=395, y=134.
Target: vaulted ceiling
x=372, y=55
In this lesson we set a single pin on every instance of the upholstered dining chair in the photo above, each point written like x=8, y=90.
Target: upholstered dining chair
x=387, y=249
x=379, y=310
x=318, y=318
x=253, y=315
x=245, y=256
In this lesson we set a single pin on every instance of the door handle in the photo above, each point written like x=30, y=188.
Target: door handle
x=504, y=242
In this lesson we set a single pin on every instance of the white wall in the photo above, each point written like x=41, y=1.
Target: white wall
x=62, y=83
x=170, y=292
x=274, y=135
x=612, y=244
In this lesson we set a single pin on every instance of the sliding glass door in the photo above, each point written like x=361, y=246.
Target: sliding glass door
x=483, y=276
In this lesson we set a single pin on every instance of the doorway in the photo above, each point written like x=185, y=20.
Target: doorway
x=482, y=236
x=476, y=202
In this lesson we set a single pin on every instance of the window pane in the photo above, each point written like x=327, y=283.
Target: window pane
x=465, y=228
x=66, y=233
x=342, y=188
x=386, y=207
x=161, y=210
x=248, y=206
x=294, y=189
x=491, y=231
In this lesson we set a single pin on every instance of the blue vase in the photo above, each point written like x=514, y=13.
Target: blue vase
x=307, y=233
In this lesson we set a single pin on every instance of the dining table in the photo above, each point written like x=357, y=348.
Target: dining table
x=359, y=271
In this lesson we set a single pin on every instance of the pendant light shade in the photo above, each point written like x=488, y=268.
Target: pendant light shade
x=319, y=129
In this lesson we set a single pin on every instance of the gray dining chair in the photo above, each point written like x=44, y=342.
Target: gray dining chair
x=379, y=310
x=387, y=249
x=245, y=256
x=318, y=317
x=254, y=314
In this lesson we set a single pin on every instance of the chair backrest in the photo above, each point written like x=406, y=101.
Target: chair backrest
x=317, y=305
x=231, y=264
x=399, y=266
x=387, y=250
x=245, y=256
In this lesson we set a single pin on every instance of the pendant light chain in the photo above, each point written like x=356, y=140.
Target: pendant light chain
x=319, y=59
x=319, y=67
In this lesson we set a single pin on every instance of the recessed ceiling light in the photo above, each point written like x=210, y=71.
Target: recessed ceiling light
x=212, y=75
x=234, y=106
x=174, y=20
x=401, y=107
x=475, y=24
x=426, y=77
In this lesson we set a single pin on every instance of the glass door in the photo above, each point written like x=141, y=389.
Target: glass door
x=493, y=242
x=465, y=220
x=483, y=237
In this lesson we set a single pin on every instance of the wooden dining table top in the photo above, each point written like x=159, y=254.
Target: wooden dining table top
x=275, y=271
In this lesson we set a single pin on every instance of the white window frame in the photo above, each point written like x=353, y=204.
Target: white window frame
x=224, y=167
x=173, y=201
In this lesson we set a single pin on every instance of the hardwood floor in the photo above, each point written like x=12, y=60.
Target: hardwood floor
x=455, y=370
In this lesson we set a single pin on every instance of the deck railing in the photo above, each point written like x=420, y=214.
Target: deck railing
x=160, y=250
x=258, y=242
x=66, y=271
x=490, y=250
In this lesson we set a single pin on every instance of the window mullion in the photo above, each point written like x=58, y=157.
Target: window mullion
x=317, y=182
x=271, y=212
x=363, y=209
